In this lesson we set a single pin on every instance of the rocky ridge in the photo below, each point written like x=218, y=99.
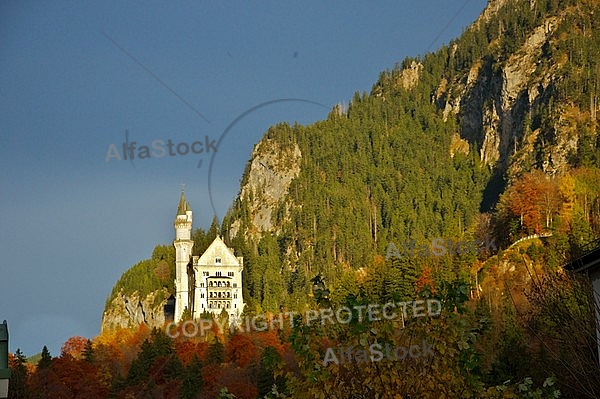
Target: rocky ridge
x=129, y=310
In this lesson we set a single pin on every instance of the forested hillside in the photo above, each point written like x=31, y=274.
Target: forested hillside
x=428, y=151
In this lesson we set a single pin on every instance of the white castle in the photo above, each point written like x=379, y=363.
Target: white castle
x=211, y=282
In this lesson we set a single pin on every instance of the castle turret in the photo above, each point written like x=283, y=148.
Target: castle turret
x=183, y=252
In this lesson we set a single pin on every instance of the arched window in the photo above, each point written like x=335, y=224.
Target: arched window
x=219, y=283
x=210, y=284
x=210, y=304
x=228, y=284
x=228, y=295
x=219, y=295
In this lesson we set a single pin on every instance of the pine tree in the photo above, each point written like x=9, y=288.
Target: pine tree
x=88, y=352
x=192, y=382
x=46, y=359
x=269, y=360
x=18, y=377
x=214, y=230
x=157, y=346
x=215, y=354
x=186, y=314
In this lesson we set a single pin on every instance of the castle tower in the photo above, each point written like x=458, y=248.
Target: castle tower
x=183, y=252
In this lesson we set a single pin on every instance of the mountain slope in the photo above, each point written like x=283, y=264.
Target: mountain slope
x=432, y=145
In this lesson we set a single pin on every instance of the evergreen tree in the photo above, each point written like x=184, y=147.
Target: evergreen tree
x=192, y=382
x=46, y=360
x=186, y=314
x=18, y=377
x=214, y=229
x=215, y=354
x=158, y=347
x=266, y=379
x=88, y=352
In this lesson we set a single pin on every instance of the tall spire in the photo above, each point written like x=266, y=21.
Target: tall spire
x=183, y=253
x=183, y=206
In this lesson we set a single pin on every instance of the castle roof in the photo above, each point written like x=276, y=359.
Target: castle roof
x=183, y=206
x=219, y=249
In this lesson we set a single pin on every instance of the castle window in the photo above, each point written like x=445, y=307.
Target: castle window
x=228, y=295
x=201, y=285
x=201, y=295
x=218, y=274
x=234, y=285
x=219, y=284
x=235, y=296
x=210, y=284
x=218, y=261
x=230, y=274
x=219, y=295
x=228, y=305
x=210, y=305
x=228, y=284
x=205, y=274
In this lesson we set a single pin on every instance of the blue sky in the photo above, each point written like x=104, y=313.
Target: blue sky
x=70, y=222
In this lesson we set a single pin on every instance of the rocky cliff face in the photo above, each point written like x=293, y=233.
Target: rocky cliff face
x=409, y=77
x=127, y=311
x=494, y=99
x=272, y=169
